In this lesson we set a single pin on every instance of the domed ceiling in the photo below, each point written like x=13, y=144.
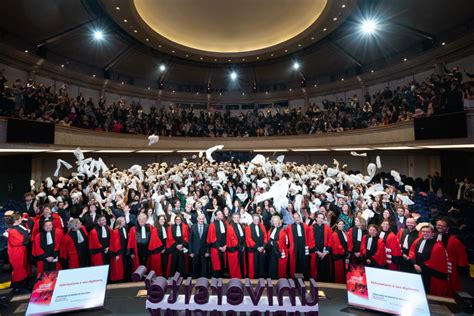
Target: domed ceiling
x=230, y=26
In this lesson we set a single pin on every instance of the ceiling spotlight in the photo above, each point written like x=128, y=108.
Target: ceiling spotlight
x=147, y=39
x=233, y=75
x=372, y=71
x=117, y=8
x=404, y=59
x=325, y=29
x=162, y=67
x=368, y=26
x=343, y=6
x=135, y=31
x=98, y=35
x=296, y=65
x=62, y=66
x=148, y=88
x=334, y=18
x=443, y=43
x=26, y=51
x=93, y=76
x=125, y=20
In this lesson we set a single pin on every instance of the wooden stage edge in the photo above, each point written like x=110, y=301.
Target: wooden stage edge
x=321, y=285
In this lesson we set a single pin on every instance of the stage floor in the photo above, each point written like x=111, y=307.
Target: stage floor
x=121, y=299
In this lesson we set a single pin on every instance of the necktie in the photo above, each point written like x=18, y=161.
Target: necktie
x=80, y=239
x=49, y=239
x=422, y=246
x=200, y=231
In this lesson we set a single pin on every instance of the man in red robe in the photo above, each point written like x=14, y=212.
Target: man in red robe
x=320, y=261
x=138, y=242
x=177, y=244
x=430, y=259
x=46, y=246
x=372, y=249
x=18, y=244
x=256, y=240
x=299, y=241
x=74, y=252
x=46, y=215
x=236, y=248
x=406, y=237
x=457, y=256
x=216, y=239
x=99, y=242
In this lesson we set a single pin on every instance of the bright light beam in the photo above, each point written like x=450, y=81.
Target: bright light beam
x=233, y=75
x=368, y=26
x=98, y=35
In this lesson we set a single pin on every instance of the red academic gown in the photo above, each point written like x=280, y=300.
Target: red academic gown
x=177, y=260
x=117, y=254
x=394, y=251
x=256, y=260
x=298, y=256
x=339, y=249
x=320, y=246
x=18, y=241
x=97, y=245
x=41, y=251
x=39, y=220
x=69, y=252
x=155, y=248
x=216, y=239
x=434, y=266
x=376, y=253
x=236, y=251
x=278, y=252
x=457, y=256
x=133, y=247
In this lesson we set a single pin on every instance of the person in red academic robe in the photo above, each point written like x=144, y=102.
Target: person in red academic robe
x=99, y=242
x=119, y=267
x=355, y=236
x=278, y=248
x=138, y=242
x=406, y=237
x=18, y=250
x=457, y=256
x=46, y=247
x=47, y=214
x=320, y=260
x=340, y=250
x=216, y=239
x=392, y=246
x=256, y=240
x=372, y=249
x=430, y=259
x=298, y=242
x=177, y=245
x=236, y=248
x=157, y=247
x=74, y=251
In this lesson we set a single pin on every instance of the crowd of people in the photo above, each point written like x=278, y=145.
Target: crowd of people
x=35, y=101
x=263, y=218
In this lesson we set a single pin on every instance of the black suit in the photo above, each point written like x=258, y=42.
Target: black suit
x=29, y=210
x=198, y=246
x=87, y=220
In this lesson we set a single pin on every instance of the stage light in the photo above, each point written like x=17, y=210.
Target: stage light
x=368, y=26
x=233, y=75
x=162, y=67
x=98, y=35
x=296, y=66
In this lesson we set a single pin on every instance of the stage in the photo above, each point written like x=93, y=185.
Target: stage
x=123, y=298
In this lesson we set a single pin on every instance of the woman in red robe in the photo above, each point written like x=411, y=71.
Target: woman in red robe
x=157, y=247
x=340, y=250
x=74, y=252
x=355, y=235
x=372, y=249
x=118, y=248
x=18, y=244
x=138, y=242
x=256, y=239
x=392, y=246
x=278, y=247
x=236, y=248
x=177, y=244
x=99, y=242
x=46, y=247
x=430, y=259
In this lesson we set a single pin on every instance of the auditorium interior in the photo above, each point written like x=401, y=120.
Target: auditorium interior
x=265, y=140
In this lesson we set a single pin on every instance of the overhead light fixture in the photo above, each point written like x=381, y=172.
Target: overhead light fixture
x=448, y=146
x=368, y=26
x=98, y=35
x=62, y=65
x=309, y=149
x=270, y=150
x=443, y=43
x=118, y=151
x=117, y=8
x=343, y=6
x=189, y=151
x=67, y=151
x=154, y=151
x=233, y=75
x=325, y=29
x=26, y=51
x=404, y=59
x=125, y=20
x=351, y=149
x=397, y=148
x=296, y=65
x=21, y=150
x=162, y=67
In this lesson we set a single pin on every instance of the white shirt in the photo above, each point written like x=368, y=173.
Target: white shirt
x=400, y=219
x=127, y=218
